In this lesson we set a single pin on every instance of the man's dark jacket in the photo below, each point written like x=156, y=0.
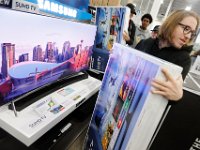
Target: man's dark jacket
x=131, y=32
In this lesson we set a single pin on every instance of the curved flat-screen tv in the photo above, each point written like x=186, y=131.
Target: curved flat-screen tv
x=37, y=50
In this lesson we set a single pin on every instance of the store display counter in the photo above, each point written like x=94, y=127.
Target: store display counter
x=41, y=116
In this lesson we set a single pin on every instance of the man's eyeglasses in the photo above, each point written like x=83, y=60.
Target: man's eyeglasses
x=188, y=30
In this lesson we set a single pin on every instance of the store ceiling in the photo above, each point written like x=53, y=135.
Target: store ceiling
x=145, y=6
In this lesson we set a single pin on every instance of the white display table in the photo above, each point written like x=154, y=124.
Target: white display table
x=36, y=119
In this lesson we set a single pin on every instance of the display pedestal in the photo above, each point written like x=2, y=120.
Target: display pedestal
x=33, y=96
x=35, y=120
x=14, y=109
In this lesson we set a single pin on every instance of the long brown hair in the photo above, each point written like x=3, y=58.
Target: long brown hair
x=167, y=28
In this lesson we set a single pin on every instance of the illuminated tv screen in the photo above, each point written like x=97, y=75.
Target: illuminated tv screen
x=36, y=50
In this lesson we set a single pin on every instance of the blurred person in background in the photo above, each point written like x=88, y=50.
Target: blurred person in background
x=141, y=31
x=129, y=37
x=154, y=32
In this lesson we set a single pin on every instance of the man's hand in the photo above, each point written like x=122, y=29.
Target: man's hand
x=126, y=36
x=172, y=89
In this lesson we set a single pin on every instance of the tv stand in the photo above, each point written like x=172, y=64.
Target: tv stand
x=38, y=118
x=37, y=94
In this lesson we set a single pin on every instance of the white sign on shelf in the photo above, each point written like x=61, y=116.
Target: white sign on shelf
x=196, y=66
x=25, y=6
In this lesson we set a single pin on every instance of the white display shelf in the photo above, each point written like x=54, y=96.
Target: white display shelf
x=36, y=119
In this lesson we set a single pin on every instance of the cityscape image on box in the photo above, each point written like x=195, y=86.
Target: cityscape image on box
x=36, y=50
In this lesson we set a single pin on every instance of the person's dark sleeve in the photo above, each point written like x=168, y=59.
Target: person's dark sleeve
x=132, y=35
x=140, y=46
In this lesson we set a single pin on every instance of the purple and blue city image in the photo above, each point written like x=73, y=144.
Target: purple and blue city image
x=21, y=75
x=37, y=50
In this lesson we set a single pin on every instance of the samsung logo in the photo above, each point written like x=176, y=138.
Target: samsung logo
x=57, y=8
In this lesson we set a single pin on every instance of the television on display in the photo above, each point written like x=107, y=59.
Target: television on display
x=111, y=23
x=38, y=50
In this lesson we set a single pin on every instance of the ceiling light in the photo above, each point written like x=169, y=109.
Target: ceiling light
x=188, y=8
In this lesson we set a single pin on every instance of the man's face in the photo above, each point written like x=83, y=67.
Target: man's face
x=145, y=23
x=154, y=34
x=179, y=35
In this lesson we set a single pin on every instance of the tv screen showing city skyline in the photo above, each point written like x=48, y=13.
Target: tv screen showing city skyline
x=36, y=50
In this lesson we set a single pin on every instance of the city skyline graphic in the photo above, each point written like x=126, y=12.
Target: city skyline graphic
x=31, y=30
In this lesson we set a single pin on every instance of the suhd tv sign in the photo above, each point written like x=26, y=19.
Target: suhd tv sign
x=6, y=3
x=25, y=6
